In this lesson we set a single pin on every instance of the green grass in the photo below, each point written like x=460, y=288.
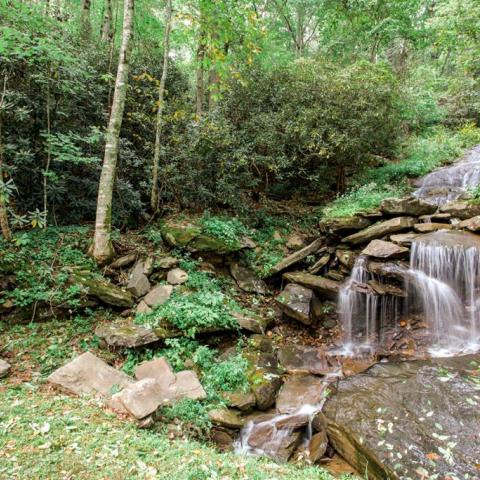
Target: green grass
x=418, y=156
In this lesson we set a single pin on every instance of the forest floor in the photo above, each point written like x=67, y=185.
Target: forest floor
x=47, y=435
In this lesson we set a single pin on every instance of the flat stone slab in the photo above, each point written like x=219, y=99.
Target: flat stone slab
x=158, y=295
x=382, y=249
x=472, y=224
x=407, y=206
x=297, y=302
x=225, y=418
x=126, y=335
x=158, y=369
x=300, y=390
x=431, y=227
x=252, y=322
x=247, y=280
x=301, y=359
x=416, y=420
x=4, y=368
x=188, y=385
x=380, y=229
x=87, y=374
x=325, y=287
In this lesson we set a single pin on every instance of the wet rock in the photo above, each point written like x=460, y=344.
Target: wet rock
x=225, y=418
x=124, y=261
x=87, y=374
x=296, y=257
x=325, y=287
x=207, y=243
x=295, y=421
x=319, y=264
x=436, y=217
x=252, y=322
x=404, y=239
x=223, y=438
x=158, y=295
x=240, y=400
x=406, y=206
x=317, y=447
x=264, y=383
x=397, y=270
x=382, y=249
x=247, y=280
x=461, y=209
x=431, y=227
x=142, y=307
x=104, y=291
x=472, y=224
x=299, y=390
x=177, y=276
x=343, y=225
x=125, y=335
x=381, y=288
x=179, y=234
x=335, y=276
x=319, y=422
x=159, y=370
x=298, y=302
x=409, y=419
x=138, y=284
x=302, y=359
x=4, y=368
x=143, y=398
x=295, y=242
x=187, y=385
x=380, y=229
x=346, y=258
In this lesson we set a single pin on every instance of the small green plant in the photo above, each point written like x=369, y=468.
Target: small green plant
x=228, y=230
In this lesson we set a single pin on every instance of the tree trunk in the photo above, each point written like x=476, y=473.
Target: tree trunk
x=107, y=22
x=49, y=153
x=4, y=226
x=102, y=244
x=200, y=81
x=161, y=93
x=85, y=18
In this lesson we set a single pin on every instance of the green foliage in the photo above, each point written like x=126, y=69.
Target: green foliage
x=228, y=230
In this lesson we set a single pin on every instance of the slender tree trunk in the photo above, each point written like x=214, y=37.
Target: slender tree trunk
x=102, y=244
x=107, y=22
x=4, y=226
x=49, y=153
x=161, y=93
x=200, y=80
x=85, y=18
x=213, y=84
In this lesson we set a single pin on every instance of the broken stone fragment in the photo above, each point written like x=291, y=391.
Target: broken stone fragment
x=461, y=209
x=126, y=335
x=317, y=447
x=325, y=287
x=252, y=322
x=87, y=374
x=104, y=291
x=158, y=295
x=380, y=229
x=302, y=360
x=225, y=418
x=472, y=224
x=299, y=390
x=299, y=303
x=431, y=227
x=404, y=239
x=382, y=249
x=247, y=280
x=4, y=368
x=158, y=369
x=264, y=383
x=319, y=264
x=343, y=225
x=138, y=284
x=177, y=276
x=188, y=385
x=407, y=206
x=345, y=257
x=179, y=234
x=166, y=263
x=124, y=261
x=243, y=401
x=142, y=307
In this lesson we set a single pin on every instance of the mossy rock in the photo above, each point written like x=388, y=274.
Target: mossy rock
x=207, y=243
x=103, y=290
x=179, y=234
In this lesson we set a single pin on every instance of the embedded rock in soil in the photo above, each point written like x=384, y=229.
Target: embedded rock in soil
x=343, y=225
x=299, y=303
x=406, y=206
x=225, y=418
x=382, y=249
x=431, y=227
x=409, y=420
x=138, y=284
x=247, y=280
x=223, y=438
x=4, y=368
x=252, y=322
x=325, y=287
x=380, y=229
x=461, y=209
x=296, y=257
x=472, y=224
x=87, y=374
x=302, y=359
x=158, y=295
x=299, y=390
x=177, y=276
x=104, y=291
x=126, y=335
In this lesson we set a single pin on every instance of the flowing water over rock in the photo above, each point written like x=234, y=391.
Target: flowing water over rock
x=451, y=183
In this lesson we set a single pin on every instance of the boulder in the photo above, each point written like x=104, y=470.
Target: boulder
x=4, y=368
x=326, y=288
x=87, y=374
x=124, y=261
x=461, y=209
x=407, y=206
x=243, y=401
x=159, y=370
x=126, y=335
x=264, y=383
x=299, y=303
x=208, y=243
x=166, y=263
x=223, y=438
x=344, y=225
x=404, y=239
x=345, y=257
x=253, y=322
x=187, y=385
x=225, y=417
x=319, y=264
x=138, y=284
x=416, y=419
x=380, y=229
x=247, y=280
x=158, y=295
x=382, y=288
x=299, y=390
x=177, y=276
x=436, y=217
x=431, y=227
x=382, y=249
x=260, y=343
x=296, y=257
x=179, y=234
x=472, y=224
x=317, y=446
x=143, y=398
x=303, y=359
x=142, y=307
x=104, y=291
